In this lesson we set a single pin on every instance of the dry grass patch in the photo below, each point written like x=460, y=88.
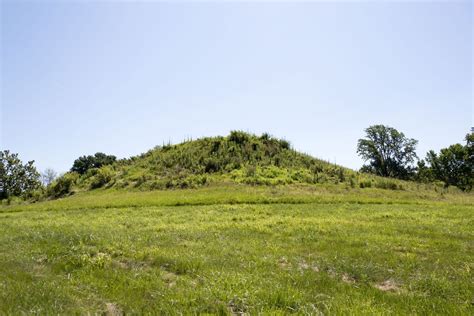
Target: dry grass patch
x=111, y=309
x=388, y=286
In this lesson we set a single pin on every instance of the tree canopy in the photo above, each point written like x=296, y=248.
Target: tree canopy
x=84, y=163
x=16, y=178
x=389, y=152
x=453, y=165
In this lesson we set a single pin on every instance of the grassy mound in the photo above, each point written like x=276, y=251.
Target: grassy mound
x=238, y=158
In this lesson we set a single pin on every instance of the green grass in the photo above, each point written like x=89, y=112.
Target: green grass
x=240, y=249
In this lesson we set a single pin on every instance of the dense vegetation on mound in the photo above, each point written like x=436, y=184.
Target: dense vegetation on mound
x=238, y=158
x=248, y=159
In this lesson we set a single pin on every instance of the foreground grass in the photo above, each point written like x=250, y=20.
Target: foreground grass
x=239, y=249
x=229, y=193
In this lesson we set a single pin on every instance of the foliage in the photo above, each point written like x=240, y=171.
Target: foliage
x=453, y=165
x=63, y=185
x=424, y=173
x=101, y=177
x=389, y=152
x=16, y=178
x=239, y=137
x=84, y=163
x=200, y=162
x=240, y=157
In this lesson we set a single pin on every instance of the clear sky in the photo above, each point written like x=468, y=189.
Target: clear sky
x=122, y=77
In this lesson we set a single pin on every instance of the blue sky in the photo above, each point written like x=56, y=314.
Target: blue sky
x=122, y=77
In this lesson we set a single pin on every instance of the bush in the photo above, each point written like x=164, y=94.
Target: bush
x=284, y=144
x=102, y=177
x=352, y=182
x=265, y=137
x=215, y=146
x=386, y=184
x=63, y=185
x=211, y=165
x=238, y=137
x=37, y=195
x=365, y=184
x=341, y=175
x=250, y=170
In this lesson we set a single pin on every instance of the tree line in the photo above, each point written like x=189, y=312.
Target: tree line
x=390, y=153
x=24, y=180
x=386, y=151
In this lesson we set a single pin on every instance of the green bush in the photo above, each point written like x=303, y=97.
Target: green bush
x=250, y=171
x=102, y=177
x=386, y=184
x=37, y=195
x=284, y=144
x=265, y=137
x=63, y=185
x=365, y=184
x=239, y=137
x=211, y=165
x=352, y=182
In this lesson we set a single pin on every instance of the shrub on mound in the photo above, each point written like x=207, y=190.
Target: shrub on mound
x=63, y=185
x=102, y=177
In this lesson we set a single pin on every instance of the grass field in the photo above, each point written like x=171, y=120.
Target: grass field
x=240, y=249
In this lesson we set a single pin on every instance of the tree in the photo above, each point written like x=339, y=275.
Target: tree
x=16, y=179
x=454, y=165
x=48, y=176
x=84, y=163
x=389, y=152
x=423, y=172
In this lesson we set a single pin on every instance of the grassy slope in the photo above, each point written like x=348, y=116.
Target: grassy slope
x=238, y=158
x=231, y=248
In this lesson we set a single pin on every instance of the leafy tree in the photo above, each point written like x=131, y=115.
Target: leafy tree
x=16, y=178
x=454, y=165
x=424, y=172
x=48, y=176
x=389, y=152
x=84, y=163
